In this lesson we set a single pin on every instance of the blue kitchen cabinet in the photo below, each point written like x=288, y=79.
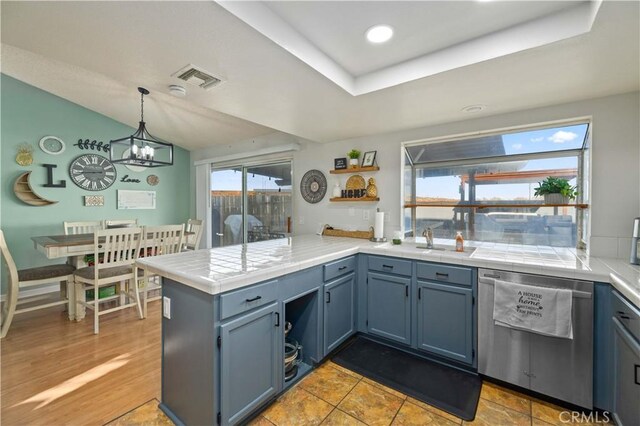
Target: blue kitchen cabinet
x=389, y=307
x=602, y=347
x=626, y=361
x=627, y=376
x=339, y=315
x=250, y=357
x=445, y=320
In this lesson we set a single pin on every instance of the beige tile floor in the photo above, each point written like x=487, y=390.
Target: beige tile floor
x=333, y=395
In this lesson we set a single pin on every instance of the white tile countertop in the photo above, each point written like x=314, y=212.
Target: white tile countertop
x=222, y=269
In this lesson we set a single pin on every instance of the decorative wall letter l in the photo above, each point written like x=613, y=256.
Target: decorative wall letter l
x=50, y=184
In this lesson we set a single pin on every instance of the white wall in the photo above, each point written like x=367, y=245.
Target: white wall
x=615, y=175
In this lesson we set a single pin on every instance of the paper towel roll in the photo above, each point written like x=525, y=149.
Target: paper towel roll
x=378, y=230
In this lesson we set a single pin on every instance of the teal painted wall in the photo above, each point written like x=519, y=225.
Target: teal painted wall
x=27, y=115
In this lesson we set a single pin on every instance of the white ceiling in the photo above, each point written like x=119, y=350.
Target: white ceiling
x=97, y=53
x=420, y=28
x=431, y=36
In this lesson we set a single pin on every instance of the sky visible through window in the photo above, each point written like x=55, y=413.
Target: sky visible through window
x=530, y=142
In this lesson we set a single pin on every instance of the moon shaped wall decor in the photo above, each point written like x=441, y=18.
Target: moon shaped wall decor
x=23, y=190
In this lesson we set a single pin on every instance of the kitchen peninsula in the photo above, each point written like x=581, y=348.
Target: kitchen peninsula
x=224, y=311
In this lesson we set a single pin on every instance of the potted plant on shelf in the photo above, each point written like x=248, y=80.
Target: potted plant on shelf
x=556, y=191
x=353, y=155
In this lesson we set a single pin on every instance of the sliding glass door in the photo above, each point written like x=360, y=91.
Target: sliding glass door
x=250, y=203
x=226, y=207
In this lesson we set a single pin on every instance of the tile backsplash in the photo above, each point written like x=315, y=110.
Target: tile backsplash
x=618, y=247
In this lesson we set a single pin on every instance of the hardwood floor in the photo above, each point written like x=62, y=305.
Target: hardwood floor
x=56, y=372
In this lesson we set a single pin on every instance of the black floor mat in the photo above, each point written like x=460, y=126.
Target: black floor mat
x=454, y=391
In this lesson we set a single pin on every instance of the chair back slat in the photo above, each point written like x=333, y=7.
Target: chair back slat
x=72, y=228
x=192, y=242
x=165, y=239
x=12, y=288
x=116, y=247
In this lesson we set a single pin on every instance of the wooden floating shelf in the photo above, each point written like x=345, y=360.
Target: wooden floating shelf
x=488, y=206
x=23, y=190
x=355, y=170
x=370, y=199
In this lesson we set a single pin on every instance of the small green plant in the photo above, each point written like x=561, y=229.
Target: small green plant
x=552, y=185
x=354, y=154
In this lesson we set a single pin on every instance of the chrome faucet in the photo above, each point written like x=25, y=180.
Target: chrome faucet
x=428, y=234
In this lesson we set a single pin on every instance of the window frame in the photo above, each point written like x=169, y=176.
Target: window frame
x=575, y=152
x=243, y=166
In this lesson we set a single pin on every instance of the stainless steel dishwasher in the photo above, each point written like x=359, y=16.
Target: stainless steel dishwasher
x=557, y=367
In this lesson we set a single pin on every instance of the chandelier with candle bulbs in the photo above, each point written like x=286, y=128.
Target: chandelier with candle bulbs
x=141, y=148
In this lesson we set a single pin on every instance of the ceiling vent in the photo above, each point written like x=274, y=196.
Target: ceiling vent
x=197, y=77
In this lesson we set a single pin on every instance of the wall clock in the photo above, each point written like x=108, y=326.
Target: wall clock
x=92, y=172
x=313, y=186
x=52, y=145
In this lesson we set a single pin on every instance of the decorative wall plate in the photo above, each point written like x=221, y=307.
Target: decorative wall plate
x=356, y=182
x=92, y=172
x=52, y=145
x=153, y=180
x=313, y=186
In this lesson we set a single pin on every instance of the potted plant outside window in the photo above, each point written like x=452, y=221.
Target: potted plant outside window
x=354, y=155
x=556, y=191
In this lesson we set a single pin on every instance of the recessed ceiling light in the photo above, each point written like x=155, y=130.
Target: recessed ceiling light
x=379, y=33
x=474, y=108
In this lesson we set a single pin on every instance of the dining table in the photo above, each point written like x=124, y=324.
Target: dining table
x=74, y=248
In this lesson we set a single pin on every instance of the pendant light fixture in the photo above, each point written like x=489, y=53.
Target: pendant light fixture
x=141, y=149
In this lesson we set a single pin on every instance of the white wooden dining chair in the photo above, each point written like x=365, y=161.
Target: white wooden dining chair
x=115, y=253
x=158, y=240
x=72, y=228
x=192, y=241
x=25, y=278
x=119, y=223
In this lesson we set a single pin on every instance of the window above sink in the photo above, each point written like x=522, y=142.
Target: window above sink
x=484, y=185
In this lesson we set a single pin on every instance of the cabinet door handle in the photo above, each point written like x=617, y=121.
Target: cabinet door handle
x=636, y=374
x=442, y=274
x=277, y=319
x=419, y=293
x=328, y=297
x=406, y=291
x=253, y=299
x=388, y=266
x=342, y=268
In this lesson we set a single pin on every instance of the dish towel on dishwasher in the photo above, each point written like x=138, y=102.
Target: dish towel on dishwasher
x=541, y=310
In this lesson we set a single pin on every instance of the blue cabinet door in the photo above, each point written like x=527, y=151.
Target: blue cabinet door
x=339, y=318
x=249, y=359
x=445, y=320
x=626, y=376
x=389, y=307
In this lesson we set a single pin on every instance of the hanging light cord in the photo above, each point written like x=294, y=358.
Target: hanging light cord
x=141, y=106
